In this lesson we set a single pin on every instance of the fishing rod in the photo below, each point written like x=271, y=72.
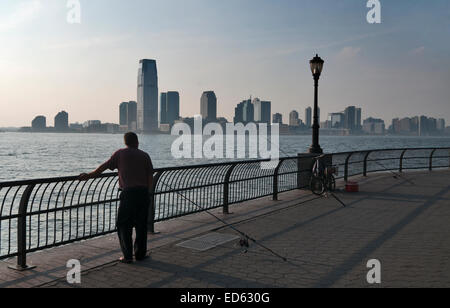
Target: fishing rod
x=396, y=175
x=337, y=199
x=244, y=241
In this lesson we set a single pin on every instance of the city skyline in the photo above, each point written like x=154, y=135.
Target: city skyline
x=347, y=122
x=399, y=65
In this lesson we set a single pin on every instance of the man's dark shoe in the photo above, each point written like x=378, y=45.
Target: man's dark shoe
x=143, y=258
x=125, y=261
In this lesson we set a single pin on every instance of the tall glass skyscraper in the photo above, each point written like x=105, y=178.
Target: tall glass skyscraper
x=123, y=113
x=244, y=112
x=173, y=107
x=163, y=109
x=208, y=106
x=132, y=116
x=169, y=107
x=262, y=110
x=147, y=95
x=308, y=117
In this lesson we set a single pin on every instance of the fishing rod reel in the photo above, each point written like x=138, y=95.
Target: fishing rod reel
x=243, y=243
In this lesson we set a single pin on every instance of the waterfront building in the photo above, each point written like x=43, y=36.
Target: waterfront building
x=336, y=120
x=132, y=116
x=294, y=118
x=358, y=125
x=373, y=126
x=39, y=123
x=163, y=109
x=123, y=114
x=62, y=121
x=308, y=117
x=244, y=112
x=440, y=125
x=147, y=95
x=208, y=106
x=350, y=118
x=277, y=118
x=262, y=110
x=172, y=107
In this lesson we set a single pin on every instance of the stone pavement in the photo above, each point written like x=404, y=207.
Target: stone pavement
x=403, y=222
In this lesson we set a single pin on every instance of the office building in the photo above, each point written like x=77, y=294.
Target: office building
x=62, y=121
x=239, y=113
x=147, y=95
x=308, y=117
x=277, y=118
x=244, y=112
x=350, y=118
x=39, y=123
x=128, y=116
x=294, y=118
x=123, y=114
x=172, y=107
x=262, y=111
x=336, y=120
x=208, y=106
x=440, y=125
x=163, y=109
x=358, y=125
x=373, y=126
x=427, y=126
x=132, y=116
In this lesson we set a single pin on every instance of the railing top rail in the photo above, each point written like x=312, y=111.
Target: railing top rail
x=50, y=180
x=391, y=149
x=198, y=166
x=221, y=164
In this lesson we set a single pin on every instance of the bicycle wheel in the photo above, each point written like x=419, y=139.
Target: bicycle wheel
x=317, y=186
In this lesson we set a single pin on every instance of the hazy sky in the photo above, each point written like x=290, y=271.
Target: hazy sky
x=237, y=48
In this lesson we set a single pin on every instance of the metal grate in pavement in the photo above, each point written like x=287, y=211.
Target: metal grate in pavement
x=208, y=241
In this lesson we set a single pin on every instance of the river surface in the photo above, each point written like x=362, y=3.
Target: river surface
x=36, y=155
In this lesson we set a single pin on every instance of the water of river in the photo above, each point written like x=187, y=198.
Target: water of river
x=35, y=155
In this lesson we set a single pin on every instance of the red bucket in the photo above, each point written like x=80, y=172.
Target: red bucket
x=352, y=187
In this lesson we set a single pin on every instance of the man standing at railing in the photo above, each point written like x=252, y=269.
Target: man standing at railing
x=135, y=180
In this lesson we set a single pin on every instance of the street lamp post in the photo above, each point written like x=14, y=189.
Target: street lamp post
x=316, y=69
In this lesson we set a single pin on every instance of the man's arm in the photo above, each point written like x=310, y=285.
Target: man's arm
x=93, y=174
x=150, y=181
x=150, y=174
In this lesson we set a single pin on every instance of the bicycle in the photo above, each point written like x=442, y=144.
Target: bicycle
x=322, y=179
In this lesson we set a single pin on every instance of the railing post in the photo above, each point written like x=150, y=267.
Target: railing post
x=365, y=163
x=275, y=180
x=401, y=160
x=22, y=231
x=449, y=159
x=226, y=189
x=431, y=160
x=346, y=167
x=152, y=209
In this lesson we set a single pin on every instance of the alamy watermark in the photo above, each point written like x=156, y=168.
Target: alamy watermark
x=231, y=142
x=374, y=274
x=74, y=274
x=374, y=15
x=74, y=13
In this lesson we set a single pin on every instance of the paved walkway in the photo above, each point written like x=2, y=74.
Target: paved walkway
x=403, y=222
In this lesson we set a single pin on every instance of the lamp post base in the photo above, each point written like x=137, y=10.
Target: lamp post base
x=315, y=149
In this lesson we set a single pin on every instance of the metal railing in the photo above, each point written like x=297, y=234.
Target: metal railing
x=44, y=213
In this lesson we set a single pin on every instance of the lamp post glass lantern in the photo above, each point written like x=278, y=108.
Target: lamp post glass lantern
x=316, y=68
